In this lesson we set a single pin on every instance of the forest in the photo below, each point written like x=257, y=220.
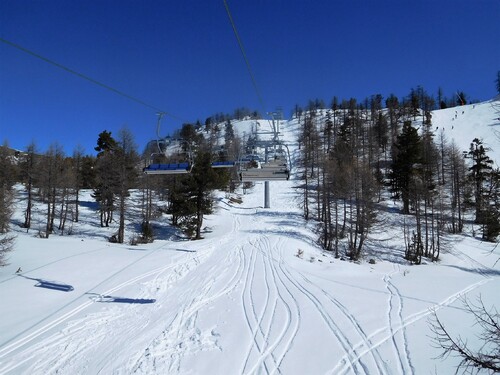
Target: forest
x=352, y=157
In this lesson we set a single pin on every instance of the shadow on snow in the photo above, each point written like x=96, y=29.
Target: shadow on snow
x=53, y=285
x=108, y=299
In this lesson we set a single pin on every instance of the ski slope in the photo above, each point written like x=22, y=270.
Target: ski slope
x=240, y=301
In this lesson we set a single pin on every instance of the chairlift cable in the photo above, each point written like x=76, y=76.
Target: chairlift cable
x=85, y=77
x=242, y=49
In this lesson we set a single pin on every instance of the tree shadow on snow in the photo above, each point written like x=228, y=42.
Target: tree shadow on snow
x=486, y=272
x=89, y=204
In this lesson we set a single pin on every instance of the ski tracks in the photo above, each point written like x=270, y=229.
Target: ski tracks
x=73, y=342
x=323, y=303
x=182, y=335
x=396, y=324
x=274, y=319
x=395, y=331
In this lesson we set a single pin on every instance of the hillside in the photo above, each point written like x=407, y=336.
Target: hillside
x=464, y=123
x=256, y=296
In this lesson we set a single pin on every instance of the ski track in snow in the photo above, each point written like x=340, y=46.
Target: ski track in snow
x=354, y=323
x=19, y=341
x=412, y=318
x=356, y=367
x=395, y=314
x=164, y=354
x=53, y=320
x=269, y=345
x=33, y=351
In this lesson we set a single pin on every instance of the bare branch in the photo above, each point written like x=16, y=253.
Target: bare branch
x=487, y=357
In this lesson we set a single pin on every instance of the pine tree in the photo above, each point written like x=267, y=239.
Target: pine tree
x=106, y=176
x=497, y=81
x=191, y=198
x=407, y=155
x=228, y=135
x=479, y=174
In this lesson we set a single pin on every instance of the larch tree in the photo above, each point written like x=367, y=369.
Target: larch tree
x=77, y=161
x=50, y=179
x=126, y=161
x=7, y=180
x=28, y=170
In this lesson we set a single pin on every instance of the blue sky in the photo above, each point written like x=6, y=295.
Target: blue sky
x=182, y=57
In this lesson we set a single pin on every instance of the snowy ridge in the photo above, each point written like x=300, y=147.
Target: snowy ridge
x=242, y=300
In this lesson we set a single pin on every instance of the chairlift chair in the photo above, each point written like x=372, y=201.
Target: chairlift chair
x=170, y=168
x=276, y=169
x=183, y=164
x=221, y=161
x=264, y=174
x=223, y=164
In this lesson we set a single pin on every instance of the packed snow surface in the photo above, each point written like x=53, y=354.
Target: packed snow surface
x=255, y=296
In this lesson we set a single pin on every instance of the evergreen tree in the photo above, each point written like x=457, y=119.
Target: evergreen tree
x=191, y=198
x=491, y=228
x=105, y=143
x=414, y=101
x=228, y=134
x=497, y=81
x=407, y=155
x=107, y=178
x=479, y=174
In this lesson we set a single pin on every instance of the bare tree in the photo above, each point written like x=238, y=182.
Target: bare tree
x=127, y=160
x=51, y=168
x=28, y=176
x=78, y=177
x=7, y=179
x=472, y=360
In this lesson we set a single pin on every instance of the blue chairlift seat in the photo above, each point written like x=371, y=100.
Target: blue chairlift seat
x=172, y=168
x=223, y=164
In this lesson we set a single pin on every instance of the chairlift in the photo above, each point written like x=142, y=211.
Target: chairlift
x=223, y=164
x=276, y=169
x=264, y=174
x=183, y=163
x=170, y=168
x=221, y=161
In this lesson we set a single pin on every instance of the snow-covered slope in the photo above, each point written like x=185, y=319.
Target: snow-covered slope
x=240, y=301
x=463, y=124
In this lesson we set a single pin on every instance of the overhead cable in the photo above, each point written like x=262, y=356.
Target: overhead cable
x=85, y=77
x=240, y=43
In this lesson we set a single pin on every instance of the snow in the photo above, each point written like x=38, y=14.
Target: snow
x=464, y=123
x=240, y=301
